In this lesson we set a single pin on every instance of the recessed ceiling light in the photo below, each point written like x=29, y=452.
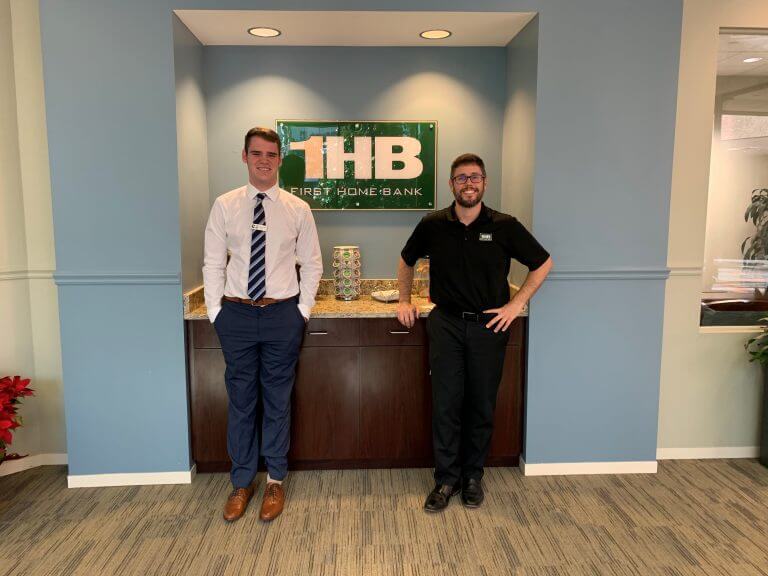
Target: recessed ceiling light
x=435, y=34
x=264, y=32
x=751, y=60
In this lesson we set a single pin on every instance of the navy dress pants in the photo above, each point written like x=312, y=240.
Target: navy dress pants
x=261, y=347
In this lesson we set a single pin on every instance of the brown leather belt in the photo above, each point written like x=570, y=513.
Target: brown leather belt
x=261, y=302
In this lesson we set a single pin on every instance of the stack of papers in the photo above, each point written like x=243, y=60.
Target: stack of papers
x=742, y=276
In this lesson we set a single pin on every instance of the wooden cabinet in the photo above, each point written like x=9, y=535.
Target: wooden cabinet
x=362, y=397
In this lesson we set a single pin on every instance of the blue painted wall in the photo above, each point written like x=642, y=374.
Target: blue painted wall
x=607, y=73
x=110, y=107
x=194, y=203
x=248, y=86
x=125, y=389
x=592, y=392
x=607, y=90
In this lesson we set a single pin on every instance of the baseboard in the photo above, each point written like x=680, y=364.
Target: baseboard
x=13, y=466
x=578, y=468
x=705, y=453
x=130, y=479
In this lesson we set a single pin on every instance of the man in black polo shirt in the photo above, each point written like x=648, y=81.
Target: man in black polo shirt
x=469, y=247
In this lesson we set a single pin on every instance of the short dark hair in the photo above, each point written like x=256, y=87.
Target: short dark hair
x=264, y=133
x=468, y=159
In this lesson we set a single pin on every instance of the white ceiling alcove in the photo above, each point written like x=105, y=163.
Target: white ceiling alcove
x=360, y=28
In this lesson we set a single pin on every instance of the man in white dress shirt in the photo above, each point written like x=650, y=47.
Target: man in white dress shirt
x=259, y=308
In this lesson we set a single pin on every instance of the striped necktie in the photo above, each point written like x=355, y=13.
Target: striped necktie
x=257, y=273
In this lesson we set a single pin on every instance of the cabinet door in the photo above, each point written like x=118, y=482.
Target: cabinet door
x=326, y=400
x=208, y=410
x=506, y=443
x=203, y=334
x=395, y=406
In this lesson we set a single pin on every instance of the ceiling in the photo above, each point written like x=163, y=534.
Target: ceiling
x=734, y=48
x=315, y=28
x=742, y=87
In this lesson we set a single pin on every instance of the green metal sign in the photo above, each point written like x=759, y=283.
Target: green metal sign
x=360, y=165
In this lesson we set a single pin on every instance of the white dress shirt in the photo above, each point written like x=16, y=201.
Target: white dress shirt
x=291, y=239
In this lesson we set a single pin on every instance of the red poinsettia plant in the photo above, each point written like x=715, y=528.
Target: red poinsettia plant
x=11, y=390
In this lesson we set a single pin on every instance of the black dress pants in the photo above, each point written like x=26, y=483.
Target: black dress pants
x=466, y=360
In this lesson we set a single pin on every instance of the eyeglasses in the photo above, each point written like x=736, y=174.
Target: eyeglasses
x=462, y=178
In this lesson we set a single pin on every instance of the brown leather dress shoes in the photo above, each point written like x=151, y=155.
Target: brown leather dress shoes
x=237, y=503
x=274, y=500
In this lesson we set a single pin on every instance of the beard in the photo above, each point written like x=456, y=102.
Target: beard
x=468, y=202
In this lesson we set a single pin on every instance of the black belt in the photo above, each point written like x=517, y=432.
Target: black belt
x=483, y=317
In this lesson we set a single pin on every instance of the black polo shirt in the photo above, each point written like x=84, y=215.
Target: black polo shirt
x=469, y=265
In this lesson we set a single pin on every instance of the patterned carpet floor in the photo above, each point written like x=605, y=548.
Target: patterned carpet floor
x=703, y=517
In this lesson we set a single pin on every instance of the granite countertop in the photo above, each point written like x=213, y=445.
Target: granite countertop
x=326, y=305
x=329, y=307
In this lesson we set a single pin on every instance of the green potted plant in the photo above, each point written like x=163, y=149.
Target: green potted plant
x=755, y=247
x=757, y=347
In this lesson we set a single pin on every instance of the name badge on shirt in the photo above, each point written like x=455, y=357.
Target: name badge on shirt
x=486, y=237
x=259, y=227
